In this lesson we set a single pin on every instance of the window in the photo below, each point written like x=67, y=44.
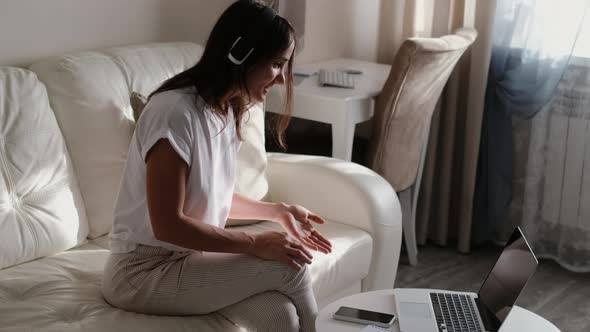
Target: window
x=582, y=48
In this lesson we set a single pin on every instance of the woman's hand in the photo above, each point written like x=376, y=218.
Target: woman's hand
x=278, y=247
x=296, y=220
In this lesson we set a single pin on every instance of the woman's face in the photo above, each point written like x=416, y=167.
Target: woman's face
x=265, y=75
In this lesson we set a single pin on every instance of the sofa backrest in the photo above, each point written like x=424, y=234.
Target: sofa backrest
x=90, y=95
x=41, y=209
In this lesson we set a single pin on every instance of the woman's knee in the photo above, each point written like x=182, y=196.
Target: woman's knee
x=268, y=311
x=282, y=312
x=297, y=278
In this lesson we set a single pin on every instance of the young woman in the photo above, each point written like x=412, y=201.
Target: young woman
x=170, y=252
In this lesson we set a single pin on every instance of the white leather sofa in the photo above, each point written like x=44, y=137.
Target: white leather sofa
x=65, y=124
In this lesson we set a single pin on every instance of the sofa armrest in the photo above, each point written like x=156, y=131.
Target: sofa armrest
x=347, y=193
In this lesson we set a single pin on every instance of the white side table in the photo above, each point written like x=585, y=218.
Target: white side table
x=518, y=320
x=342, y=108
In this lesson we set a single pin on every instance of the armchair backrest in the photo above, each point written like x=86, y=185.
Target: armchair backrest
x=404, y=108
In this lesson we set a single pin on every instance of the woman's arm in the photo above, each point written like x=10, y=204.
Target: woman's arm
x=294, y=218
x=166, y=184
x=243, y=207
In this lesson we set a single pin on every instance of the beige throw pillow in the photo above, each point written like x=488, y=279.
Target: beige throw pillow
x=138, y=102
x=251, y=164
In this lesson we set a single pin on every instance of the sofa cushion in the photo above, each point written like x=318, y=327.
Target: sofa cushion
x=348, y=262
x=89, y=93
x=67, y=297
x=41, y=209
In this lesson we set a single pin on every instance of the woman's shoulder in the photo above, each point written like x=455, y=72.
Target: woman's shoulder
x=176, y=97
x=182, y=102
x=180, y=105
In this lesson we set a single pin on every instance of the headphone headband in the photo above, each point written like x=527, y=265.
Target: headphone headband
x=243, y=46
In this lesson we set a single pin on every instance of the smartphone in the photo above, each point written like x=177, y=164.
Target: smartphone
x=364, y=317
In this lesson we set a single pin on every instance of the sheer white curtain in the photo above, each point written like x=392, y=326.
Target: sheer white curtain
x=556, y=204
x=552, y=150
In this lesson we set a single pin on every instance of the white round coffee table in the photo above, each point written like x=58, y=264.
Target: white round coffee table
x=383, y=300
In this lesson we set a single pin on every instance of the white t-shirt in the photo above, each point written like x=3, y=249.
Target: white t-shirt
x=203, y=141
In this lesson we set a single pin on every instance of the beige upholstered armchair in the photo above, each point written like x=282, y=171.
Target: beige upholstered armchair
x=403, y=112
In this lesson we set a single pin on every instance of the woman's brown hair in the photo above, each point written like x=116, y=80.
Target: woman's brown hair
x=215, y=74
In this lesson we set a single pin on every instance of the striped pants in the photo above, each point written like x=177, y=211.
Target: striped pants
x=256, y=294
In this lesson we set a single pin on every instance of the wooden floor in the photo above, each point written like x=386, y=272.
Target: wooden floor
x=560, y=296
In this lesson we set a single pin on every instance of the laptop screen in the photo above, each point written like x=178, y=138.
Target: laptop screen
x=506, y=280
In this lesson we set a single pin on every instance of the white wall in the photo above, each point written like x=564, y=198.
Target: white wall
x=341, y=28
x=189, y=20
x=33, y=29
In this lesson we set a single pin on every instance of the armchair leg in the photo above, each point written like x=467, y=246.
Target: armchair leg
x=409, y=225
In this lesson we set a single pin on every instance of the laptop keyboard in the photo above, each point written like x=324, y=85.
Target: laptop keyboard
x=454, y=313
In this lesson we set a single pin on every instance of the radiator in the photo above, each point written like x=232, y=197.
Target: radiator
x=559, y=153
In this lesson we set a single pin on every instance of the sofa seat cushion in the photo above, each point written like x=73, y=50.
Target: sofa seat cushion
x=348, y=262
x=62, y=293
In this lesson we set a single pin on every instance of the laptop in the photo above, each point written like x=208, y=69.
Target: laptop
x=432, y=310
